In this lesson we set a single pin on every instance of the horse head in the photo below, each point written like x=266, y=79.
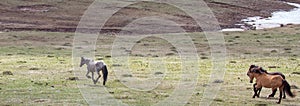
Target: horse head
x=251, y=76
x=82, y=61
x=254, y=69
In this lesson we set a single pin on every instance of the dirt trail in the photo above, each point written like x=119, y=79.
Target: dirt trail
x=63, y=16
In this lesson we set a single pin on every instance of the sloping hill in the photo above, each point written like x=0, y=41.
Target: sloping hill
x=64, y=15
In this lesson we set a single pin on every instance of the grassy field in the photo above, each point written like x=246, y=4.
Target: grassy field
x=42, y=71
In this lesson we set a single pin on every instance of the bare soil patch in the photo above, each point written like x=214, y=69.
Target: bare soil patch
x=63, y=16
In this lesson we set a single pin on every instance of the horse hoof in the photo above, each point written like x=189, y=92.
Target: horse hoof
x=278, y=102
x=283, y=98
x=88, y=76
x=253, y=96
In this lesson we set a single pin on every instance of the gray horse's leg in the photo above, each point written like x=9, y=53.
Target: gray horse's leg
x=87, y=74
x=98, y=76
x=93, y=78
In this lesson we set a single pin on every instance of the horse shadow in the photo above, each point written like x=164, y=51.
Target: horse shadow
x=270, y=98
x=92, y=85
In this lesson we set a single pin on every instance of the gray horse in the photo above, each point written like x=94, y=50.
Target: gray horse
x=95, y=66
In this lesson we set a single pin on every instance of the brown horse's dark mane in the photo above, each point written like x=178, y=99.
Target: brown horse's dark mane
x=265, y=71
x=258, y=70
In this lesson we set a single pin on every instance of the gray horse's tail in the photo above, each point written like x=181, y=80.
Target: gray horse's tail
x=104, y=73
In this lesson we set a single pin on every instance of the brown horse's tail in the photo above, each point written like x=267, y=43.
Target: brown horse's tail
x=104, y=73
x=287, y=89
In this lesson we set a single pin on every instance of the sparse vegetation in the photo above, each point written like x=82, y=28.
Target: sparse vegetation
x=42, y=75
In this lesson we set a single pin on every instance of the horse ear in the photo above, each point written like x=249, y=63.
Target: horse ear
x=252, y=66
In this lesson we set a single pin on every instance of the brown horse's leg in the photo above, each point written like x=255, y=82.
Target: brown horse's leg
x=255, y=90
x=280, y=94
x=258, y=89
x=273, y=92
x=284, y=93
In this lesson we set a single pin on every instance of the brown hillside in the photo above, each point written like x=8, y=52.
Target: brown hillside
x=64, y=15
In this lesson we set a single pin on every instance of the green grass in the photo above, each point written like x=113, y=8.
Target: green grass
x=40, y=77
x=41, y=67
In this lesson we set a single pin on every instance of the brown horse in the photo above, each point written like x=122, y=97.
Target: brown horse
x=270, y=81
x=271, y=73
